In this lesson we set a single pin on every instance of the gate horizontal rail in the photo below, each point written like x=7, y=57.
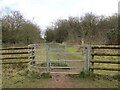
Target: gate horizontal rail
x=59, y=60
x=55, y=67
x=66, y=67
x=39, y=67
x=55, y=53
x=49, y=49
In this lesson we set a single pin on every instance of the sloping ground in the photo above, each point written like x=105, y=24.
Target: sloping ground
x=64, y=81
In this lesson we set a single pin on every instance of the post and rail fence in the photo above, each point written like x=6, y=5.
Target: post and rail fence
x=90, y=54
x=93, y=54
x=14, y=53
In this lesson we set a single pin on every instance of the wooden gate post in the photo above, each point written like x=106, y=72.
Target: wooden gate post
x=47, y=59
x=88, y=58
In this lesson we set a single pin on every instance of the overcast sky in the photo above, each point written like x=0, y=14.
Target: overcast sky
x=46, y=11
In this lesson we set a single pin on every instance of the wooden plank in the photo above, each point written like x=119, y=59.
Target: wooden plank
x=109, y=69
x=105, y=54
x=105, y=47
x=14, y=53
x=14, y=58
x=88, y=58
x=16, y=48
x=102, y=61
x=14, y=62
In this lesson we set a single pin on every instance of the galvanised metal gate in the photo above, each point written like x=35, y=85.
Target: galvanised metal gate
x=59, y=58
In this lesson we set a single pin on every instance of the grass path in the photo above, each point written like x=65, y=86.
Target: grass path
x=64, y=81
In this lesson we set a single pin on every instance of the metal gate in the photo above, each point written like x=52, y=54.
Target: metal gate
x=59, y=58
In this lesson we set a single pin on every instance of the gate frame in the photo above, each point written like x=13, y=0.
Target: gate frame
x=48, y=67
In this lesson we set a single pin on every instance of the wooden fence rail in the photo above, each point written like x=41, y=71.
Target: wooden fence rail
x=15, y=62
x=105, y=54
x=109, y=69
x=14, y=53
x=93, y=54
x=103, y=61
x=14, y=58
x=105, y=47
x=16, y=48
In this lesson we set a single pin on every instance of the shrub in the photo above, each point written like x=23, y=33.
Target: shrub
x=46, y=75
x=89, y=75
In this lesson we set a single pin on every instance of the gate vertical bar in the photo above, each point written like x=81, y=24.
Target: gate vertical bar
x=65, y=56
x=88, y=58
x=47, y=61
x=83, y=54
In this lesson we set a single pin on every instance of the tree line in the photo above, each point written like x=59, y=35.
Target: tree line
x=16, y=29
x=88, y=29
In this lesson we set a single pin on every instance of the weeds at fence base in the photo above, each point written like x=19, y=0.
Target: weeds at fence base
x=94, y=76
x=46, y=75
x=34, y=74
x=84, y=75
x=117, y=77
x=108, y=77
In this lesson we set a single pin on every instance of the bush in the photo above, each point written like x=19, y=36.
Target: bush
x=89, y=75
x=46, y=75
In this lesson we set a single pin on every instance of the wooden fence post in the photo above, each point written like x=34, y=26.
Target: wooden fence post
x=33, y=54
x=92, y=59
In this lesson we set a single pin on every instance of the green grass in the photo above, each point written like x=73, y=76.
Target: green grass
x=24, y=81
x=24, y=76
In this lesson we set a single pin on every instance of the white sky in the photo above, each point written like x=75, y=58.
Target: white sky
x=45, y=12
